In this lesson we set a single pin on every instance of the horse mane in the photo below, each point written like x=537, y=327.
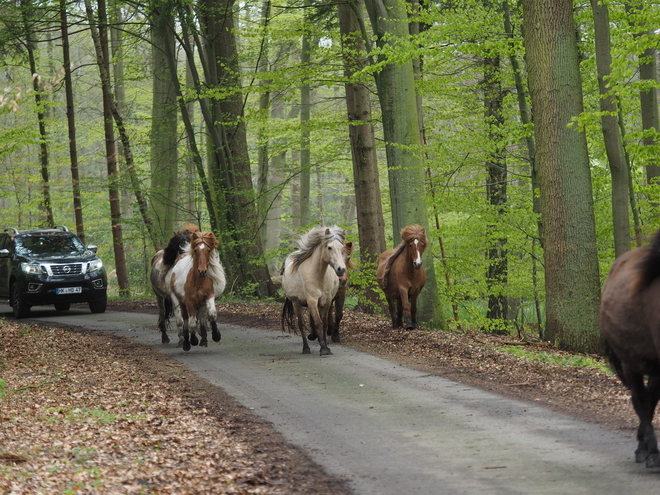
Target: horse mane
x=649, y=266
x=408, y=234
x=314, y=238
x=177, y=244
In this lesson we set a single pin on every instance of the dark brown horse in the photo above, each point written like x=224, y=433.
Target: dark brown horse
x=401, y=276
x=630, y=324
x=161, y=263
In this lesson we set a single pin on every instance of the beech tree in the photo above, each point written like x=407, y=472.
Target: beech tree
x=571, y=262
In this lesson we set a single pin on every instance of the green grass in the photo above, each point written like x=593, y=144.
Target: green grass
x=568, y=360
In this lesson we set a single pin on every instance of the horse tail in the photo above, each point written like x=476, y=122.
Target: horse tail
x=288, y=315
x=615, y=362
x=169, y=309
x=649, y=267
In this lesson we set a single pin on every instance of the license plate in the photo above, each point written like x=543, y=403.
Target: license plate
x=68, y=290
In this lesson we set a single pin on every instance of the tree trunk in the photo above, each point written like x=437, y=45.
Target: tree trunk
x=305, y=114
x=371, y=228
x=496, y=192
x=611, y=135
x=164, y=135
x=71, y=123
x=398, y=101
x=648, y=98
x=571, y=261
x=26, y=8
x=101, y=46
x=231, y=169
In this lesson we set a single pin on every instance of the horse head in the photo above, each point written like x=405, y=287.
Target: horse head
x=202, y=244
x=415, y=238
x=334, y=252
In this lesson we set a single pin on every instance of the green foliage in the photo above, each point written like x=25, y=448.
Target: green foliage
x=560, y=359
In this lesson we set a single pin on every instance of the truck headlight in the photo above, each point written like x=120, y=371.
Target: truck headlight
x=31, y=268
x=95, y=265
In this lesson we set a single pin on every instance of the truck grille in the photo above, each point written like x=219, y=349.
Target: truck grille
x=69, y=269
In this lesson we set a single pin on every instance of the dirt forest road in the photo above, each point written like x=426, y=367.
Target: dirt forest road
x=392, y=430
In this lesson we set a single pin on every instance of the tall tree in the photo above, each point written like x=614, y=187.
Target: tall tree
x=496, y=192
x=305, y=115
x=164, y=136
x=571, y=261
x=611, y=135
x=27, y=10
x=371, y=228
x=71, y=123
x=100, y=35
x=396, y=92
x=230, y=167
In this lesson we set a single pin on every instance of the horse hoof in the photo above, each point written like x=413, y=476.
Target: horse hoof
x=203, y=343
x=641, y=456
x=307, y=351
x=194, y=340
x=325, y=351
x=216, y=336
x=653, y=461
x=186, y=346
x=165, y=339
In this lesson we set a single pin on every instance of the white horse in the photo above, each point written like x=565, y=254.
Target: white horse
x=196, y=280
x=311, y=280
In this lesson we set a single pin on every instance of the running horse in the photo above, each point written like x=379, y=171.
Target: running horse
x=161, y=263
x=311, y=280
x=630, y=326
x=401, y=276
x=195, y=281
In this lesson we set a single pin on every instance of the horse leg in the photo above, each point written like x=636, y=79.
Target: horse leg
x=322, y=325
x=162, y=319
x=645, y=399
x=393, y=312
x=413, y=310
x=301, y=327
x=335, y=319
x=213, y=316
x=404, y=309
x=179, y=318
x=202, y=319
x=185, y=332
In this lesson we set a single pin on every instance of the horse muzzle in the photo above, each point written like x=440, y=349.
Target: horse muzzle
x=340, y=271
x=416, y=265
x=201, y=273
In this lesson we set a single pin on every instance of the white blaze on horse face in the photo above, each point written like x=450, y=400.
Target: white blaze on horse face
x=417, y=263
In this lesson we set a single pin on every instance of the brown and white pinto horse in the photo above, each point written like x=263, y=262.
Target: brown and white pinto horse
x=196, y=280
x=630, y=325
x=161, y=263
x=311, y=279
x=401, y=276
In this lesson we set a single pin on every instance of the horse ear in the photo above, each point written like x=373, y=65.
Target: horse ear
x=327, y=231
x=349, y=245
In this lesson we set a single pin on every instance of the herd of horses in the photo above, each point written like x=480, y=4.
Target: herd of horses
x=187, y=276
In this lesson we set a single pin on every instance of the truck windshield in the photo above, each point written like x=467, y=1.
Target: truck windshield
x=53, y=245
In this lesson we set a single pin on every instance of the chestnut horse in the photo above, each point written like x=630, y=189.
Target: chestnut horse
x=196, y=280
x=630, y=325
x=311, y=280
x=401, y=276
x=161, y=263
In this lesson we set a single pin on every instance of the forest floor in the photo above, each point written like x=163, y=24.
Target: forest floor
x=84, y=412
